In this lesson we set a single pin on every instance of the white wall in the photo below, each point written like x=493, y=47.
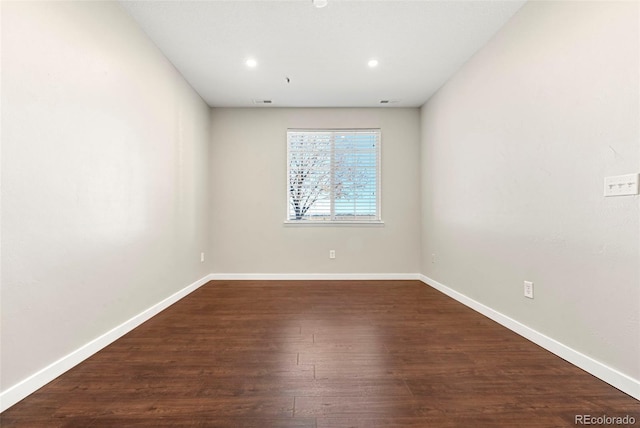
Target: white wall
x=104, y=178
x=248, y=184
x=514, y=151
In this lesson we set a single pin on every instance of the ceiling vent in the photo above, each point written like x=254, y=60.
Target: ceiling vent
x=389, y=101
x=262, y=101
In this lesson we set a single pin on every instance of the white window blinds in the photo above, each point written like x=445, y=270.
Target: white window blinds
x=333, y=175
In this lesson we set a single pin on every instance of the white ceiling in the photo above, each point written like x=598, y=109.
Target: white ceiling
x=324, y=52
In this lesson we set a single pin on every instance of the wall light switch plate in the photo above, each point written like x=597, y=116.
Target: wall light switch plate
x=621, y=185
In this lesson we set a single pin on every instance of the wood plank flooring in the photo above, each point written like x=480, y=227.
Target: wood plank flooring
x=320, y=354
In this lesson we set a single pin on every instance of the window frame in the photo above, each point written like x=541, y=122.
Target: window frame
x=323, y=223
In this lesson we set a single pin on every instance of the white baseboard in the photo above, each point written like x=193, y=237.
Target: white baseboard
x=31, y=384
x=36, y=381
x=315, y=276
x=613, y=377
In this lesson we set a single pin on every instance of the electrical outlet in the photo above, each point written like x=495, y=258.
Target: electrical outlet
x=433, y=258
x=202, y=257
x=528, y=289
x=332, y=254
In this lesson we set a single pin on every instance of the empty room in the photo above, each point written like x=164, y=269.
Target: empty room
x=320, y=213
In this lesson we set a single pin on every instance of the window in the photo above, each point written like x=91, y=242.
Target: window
x=333, y=176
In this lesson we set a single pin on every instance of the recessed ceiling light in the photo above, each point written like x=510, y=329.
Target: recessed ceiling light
x=320, y=3
x=251, y=63
x=372, y=63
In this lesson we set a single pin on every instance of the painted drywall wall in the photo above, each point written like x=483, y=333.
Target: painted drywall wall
x=514, y=151
x=104, y=179
x=248, y=184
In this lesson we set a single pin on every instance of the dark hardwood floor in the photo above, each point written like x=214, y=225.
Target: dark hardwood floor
x=320, y=354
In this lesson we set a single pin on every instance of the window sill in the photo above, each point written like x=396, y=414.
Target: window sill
x=302, y=223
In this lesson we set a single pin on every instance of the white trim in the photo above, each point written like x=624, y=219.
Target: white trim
x=34, y=382
x=610, y=375
x=315, y=276
x=37, y=380
x=301, y=223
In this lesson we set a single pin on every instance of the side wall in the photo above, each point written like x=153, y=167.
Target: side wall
x=514, y=151
x=248, y=182
x=104, y=179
